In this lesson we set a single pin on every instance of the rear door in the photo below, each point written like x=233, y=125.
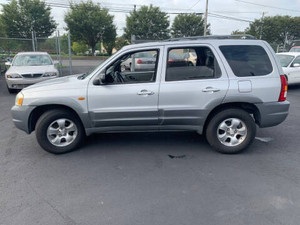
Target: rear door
x=190, y=90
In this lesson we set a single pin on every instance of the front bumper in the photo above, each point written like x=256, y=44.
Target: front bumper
x=20, y=115
x=272, y=114
x=20, y=83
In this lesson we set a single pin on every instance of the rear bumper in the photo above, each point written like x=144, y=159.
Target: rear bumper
x=272, y=114
x=20, y=115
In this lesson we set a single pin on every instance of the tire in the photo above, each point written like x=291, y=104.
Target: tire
x=231, y=131
x=59, y=131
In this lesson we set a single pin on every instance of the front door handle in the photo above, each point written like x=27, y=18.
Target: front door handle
x=210, y=89
x=145, y=92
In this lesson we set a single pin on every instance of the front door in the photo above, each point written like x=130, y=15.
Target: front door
x=128, y=99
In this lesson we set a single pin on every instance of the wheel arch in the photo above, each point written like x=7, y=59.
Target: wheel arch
x=40, y=110
x=248, y=107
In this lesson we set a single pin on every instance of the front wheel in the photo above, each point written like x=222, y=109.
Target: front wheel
x=59, y=131
x=231, y=131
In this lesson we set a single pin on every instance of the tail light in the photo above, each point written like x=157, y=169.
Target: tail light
x=170, y=60
x=139, y=61
x=284, y=88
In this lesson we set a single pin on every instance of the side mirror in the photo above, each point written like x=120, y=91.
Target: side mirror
x=8, y=63
x=101, y=79
x=296, y=65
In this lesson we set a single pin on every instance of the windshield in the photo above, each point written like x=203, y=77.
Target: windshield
x=285, y=60
x=32, y=60
x=295, y=49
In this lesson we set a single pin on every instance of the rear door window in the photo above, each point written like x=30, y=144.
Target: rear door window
x=247, y=60
x=191, y=63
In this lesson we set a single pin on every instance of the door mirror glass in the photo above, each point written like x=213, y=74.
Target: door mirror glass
x=101, y=79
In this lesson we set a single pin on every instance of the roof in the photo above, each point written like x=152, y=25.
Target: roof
x=296, y=47
x=289, y=53
x=32, y=53
x=192, y=41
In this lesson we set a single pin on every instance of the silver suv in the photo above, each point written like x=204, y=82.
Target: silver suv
x=233, y=86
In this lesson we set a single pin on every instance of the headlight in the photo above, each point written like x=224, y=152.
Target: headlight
x=19, y=99
x=13, y=75
x=50, y=74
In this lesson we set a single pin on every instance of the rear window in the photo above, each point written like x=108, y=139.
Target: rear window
x=247, y=60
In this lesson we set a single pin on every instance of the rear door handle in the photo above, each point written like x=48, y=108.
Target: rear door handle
x=145, y=92
x=210, y=89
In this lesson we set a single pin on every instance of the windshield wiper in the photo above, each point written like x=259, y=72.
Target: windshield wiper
x=82, y=76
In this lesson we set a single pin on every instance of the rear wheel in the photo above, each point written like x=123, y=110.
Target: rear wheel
x=59, y=131
x=231, y=131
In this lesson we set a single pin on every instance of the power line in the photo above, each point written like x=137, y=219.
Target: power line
x=229, y=17
x=236, y=12
x=268, y=6
x=195, y=4
x=128, y=10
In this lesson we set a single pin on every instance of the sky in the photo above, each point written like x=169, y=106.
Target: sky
x=243, y=10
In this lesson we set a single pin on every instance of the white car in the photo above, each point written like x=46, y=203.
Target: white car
x=290, y=62
x=28, y=68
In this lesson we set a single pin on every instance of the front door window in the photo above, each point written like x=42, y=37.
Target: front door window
x=134, y=67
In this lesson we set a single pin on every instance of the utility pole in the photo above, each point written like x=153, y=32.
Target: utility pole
x=36, y=42
x=70, y=53
x=59, y=52
x=262, y=24
x=33, y=45
x=205, y=18
x=285, y=40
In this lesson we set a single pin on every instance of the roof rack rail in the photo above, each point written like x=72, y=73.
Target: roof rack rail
x=235, y=36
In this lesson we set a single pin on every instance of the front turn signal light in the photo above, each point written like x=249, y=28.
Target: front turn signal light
x=19, y=99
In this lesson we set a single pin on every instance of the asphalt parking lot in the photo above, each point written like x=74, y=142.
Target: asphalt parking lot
x=136, y=178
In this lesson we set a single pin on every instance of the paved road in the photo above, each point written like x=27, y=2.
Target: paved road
x=129, y=179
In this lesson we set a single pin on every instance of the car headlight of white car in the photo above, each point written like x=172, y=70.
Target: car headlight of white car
x=19, y=99
x=13, y=76
x=50, y=74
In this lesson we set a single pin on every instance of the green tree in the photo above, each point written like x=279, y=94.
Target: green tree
x=187, y=25
x=90, y=23
x=235, y=32
x=147, y=23
x=79, y=47
x=22, y=17
x=109, y=41
x=121, y=42
x=2, y=32
x=9, y=45
x=276, y=29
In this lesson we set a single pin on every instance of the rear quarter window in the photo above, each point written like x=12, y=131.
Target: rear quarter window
x=247, y=60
